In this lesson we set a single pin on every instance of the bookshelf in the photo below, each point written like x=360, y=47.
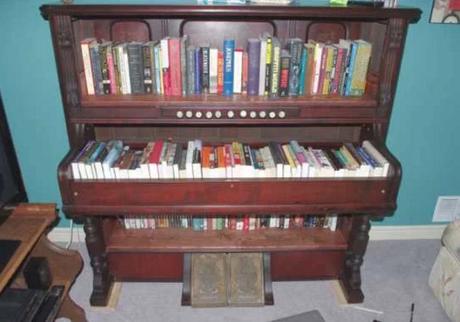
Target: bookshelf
x=290, y=254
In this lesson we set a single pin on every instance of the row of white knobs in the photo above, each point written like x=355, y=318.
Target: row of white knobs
x=230, y=114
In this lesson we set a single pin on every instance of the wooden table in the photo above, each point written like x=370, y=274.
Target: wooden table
x=29, y=223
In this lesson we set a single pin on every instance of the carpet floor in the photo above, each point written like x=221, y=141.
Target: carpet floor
x=394, y=275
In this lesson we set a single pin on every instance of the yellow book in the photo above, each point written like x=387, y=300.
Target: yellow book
x=358, y=80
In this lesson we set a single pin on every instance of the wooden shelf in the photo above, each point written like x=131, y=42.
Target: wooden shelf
x=185, y=240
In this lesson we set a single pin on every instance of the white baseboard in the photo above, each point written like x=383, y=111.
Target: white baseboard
x=63, y=235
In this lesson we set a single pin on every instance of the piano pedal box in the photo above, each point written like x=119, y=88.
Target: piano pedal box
x=37, y=273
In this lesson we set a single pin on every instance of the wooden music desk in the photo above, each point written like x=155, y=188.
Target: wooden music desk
x=29, y=223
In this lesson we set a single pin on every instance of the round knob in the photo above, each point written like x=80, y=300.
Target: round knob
x=198, y=114
x=262, y=114
x=218, y=114
x=208, y=114
x=281, y=114
x=272, y=115
x=230, y=114
x=179, y=114
x=243, y=113
x=188, y=114
x=253, y=114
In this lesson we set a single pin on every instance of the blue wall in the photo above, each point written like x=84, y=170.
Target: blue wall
x=422, y=133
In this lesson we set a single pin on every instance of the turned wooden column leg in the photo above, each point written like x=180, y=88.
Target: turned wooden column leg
x=102, y=280
x=350, y=278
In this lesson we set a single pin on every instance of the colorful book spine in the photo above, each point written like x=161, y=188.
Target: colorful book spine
x=303, y=71
x=229, y=48
x=295, y=50
x=275, y=67
x=358, y=81
x=268, y=65
x=205, y=69
x=284, y=73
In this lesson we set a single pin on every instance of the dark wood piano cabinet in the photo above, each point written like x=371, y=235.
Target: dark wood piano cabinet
x=313, y=253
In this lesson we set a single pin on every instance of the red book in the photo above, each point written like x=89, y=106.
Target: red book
x=174, y=67
x=244, y=83
x=246, y=223
x=220, y=73
x=155, y=155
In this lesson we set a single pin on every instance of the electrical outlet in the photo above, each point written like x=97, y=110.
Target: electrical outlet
x=447, y=209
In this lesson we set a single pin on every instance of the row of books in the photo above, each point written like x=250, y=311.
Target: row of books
x=168, y=160
x=244, y=222
x=172, y=67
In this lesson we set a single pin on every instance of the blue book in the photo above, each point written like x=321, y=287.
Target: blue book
x=351, y=66
x=229, y=48
x=303, y=71
x=198, y=70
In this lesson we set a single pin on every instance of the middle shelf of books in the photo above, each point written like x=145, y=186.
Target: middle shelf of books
x=196, y=177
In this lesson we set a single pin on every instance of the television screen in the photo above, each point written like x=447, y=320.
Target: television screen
x=11, y=185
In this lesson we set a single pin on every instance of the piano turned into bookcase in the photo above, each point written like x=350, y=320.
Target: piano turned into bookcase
x=120, y=254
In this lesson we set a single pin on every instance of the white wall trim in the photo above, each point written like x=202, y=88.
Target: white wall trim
x=63, y=235
x=406, y=232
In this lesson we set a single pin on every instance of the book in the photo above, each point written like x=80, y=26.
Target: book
x=359, y=74
x=262, y=65
x=135, y=65
x=96, y=67
x=284, y=84
x=183, y=63
x=205, y=69
x=87, y=66
x=229, y=47
x=164, y=60
x=253, y=66
x=295, y=46
x=275, y=67
x=198, y=71
x=213, y=70
x=237, y=71
x=190, y=70
x=103, y=49
x=174, y=52
x=148, y=64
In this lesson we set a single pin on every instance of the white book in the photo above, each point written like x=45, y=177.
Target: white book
x=262, y=65
x=213, y=60
x=374, y=153
x=237, y=71
x=189, y=159
x=87, y=65
x=164, y=53
x=317, y=59
x=162, y=161
x=125, y=71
